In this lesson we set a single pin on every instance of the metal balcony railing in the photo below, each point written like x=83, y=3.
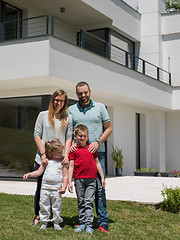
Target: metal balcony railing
x=39, y=26
x=24, y=28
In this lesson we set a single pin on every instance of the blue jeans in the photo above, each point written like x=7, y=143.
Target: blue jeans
x=100, y=195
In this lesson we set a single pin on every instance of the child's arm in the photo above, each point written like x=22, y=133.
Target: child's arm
x=99, y=168
x=62, y=190
x=36, y=173
x=71, y=169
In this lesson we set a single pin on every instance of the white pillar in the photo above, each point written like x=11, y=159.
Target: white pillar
x=151, y=39
x=158, y=156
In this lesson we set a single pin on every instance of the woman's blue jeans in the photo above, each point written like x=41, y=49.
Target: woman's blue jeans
x=100, y=196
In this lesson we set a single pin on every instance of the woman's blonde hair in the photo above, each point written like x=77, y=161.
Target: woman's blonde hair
x=51, y=146
x=63, y=111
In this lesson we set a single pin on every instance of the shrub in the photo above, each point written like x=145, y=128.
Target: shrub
x=146, y=170
x=171, y=201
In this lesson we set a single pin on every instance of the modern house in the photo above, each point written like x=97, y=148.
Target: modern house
x=127, y=51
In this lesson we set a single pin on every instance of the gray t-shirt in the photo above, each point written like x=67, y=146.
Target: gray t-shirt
x=93, y=117
x=45, y=131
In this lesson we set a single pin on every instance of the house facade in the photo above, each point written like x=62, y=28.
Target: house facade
x=126, y=50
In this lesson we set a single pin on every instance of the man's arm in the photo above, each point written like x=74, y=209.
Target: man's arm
x=93, y=147
x=100, y=171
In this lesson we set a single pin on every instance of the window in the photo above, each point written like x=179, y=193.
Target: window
x=94, y=41
x=121, y=45
x=9, y=14
x=17, y=119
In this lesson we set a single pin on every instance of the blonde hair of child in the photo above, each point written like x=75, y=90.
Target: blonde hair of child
x=51, y=146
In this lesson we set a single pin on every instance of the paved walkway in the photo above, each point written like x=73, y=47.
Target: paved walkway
x=128, y=188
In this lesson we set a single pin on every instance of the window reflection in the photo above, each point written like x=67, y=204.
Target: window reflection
x=17, y=119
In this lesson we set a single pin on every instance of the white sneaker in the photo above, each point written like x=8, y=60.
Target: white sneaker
x=57, y=227
x=43, y=226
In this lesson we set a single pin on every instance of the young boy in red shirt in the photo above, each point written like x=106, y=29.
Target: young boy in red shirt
x=85, y=166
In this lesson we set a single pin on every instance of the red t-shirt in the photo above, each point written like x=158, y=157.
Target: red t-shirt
x=84, y=163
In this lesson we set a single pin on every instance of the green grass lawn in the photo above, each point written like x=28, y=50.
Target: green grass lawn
x=128, y=221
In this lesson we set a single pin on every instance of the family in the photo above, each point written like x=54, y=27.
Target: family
x=61, y=156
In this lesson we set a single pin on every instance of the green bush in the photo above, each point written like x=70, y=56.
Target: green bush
x=146, y=170
x=171, y=201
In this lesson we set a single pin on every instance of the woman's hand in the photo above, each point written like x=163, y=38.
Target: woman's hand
x=73, y=148
x=65, y=161
x=44, y=160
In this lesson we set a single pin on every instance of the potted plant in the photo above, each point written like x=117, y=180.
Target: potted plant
x=117, y=157
x=164, y=173
x=151, y=172
x=174, y=173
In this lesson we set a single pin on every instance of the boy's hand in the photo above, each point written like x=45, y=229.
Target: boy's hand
x=70, y=188
x=103, y=183
x=73, y=148
x=62, y=190
x=26, y=176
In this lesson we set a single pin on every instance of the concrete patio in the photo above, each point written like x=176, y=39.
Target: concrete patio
x=126, y=188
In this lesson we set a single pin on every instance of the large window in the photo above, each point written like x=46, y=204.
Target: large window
x=94, y=41
x=110, y=44
x=120, y=46
x=17, y=119
x=9, y=14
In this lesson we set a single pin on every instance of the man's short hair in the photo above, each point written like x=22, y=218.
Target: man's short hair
x=81, y=127
x=81, y=84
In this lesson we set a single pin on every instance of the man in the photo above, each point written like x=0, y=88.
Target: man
x=95, y=116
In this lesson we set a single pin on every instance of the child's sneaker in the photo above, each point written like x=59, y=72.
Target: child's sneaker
x=80, y=228
x=103, y=228
x=43, y=226
x=57, y=227
x=89, y=229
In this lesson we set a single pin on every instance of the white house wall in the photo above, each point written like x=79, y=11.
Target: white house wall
x=124, y=19
x=41, y=65
x=171, y=44
x=173, y=140
x=24, y=59
x=106, y=76
x=123, y=117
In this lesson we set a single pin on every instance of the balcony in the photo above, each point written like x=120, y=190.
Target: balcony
x=58, y=28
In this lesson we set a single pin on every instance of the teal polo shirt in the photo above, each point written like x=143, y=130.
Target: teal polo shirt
x=93, y=117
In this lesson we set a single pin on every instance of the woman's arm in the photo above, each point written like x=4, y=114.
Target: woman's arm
x=38, y=132
x=66, y=154
x=41, y=150
x=68, y=137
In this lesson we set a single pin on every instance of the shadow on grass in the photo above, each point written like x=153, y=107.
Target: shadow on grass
x=74, y=220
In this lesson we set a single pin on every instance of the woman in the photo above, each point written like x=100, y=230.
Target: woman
x=51, y=124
